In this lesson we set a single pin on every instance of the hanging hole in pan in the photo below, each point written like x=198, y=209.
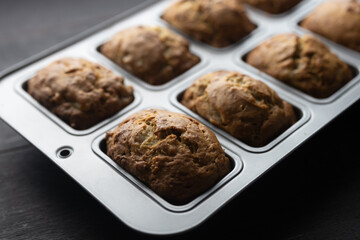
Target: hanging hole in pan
x=64, y=152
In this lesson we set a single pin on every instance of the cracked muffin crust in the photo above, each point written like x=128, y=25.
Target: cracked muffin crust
x=80, y=92
x=175, y=155
x=273, y=6
x=152, y=53
x=302, y=62
x=217, y=23
x=337, y=20
x=244, y=107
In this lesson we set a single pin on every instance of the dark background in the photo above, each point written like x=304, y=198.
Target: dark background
x=312, y=194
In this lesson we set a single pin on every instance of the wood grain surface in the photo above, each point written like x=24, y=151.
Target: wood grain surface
x=313, y=194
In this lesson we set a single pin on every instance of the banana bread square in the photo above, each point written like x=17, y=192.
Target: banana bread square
x=214, y=22
x=154, y=54
x=244, y=107
x=337, y=20
x=303, y=62
x=175, y=155
x=80, y=92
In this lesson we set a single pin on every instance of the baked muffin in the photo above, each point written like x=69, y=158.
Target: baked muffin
x=302, y=62
x=80, y=92
x=215, y=22
x=244, y=107
x=151, y=53
x=175, y=155
x=337, y=20
x=273, y=6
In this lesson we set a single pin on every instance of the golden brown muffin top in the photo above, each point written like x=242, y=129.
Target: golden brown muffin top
x=175, y=155
x=273, y=6
x=153, y=53
x=337, y=20
x=303, y=62
x=215, y=22
x=245, y=107
x=79, y=91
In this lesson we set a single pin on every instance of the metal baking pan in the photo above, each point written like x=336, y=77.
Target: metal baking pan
x=81, y=153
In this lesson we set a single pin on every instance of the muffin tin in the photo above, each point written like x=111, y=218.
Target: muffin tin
x=81, y=153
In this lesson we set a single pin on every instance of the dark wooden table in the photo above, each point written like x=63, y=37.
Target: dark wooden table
x=313, y=194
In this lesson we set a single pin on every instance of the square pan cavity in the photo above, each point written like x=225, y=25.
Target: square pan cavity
x=99, y=147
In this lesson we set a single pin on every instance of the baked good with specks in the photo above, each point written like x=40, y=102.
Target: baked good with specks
x=273, y=6
x=303, y=62
x=246, y=108
x=175, y=155
x=214, y=22
x=337, y=20
x=154, y=54
x=79, y=92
